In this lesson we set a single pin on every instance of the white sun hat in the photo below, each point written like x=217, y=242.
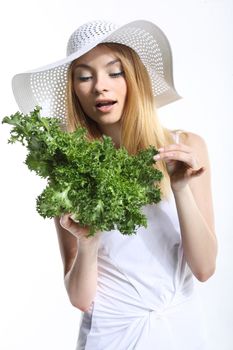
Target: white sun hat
x=46, y=86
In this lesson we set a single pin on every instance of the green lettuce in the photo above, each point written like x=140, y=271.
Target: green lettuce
x=103, y=187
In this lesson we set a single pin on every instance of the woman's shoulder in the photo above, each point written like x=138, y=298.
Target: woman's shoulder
x=188, y=138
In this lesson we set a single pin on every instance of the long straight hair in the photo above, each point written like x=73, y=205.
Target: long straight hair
x=140, y=126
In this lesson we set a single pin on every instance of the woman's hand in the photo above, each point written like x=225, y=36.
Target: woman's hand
x=182, y=164
x=80, y=232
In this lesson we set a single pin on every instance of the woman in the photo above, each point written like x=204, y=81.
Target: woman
x=135, y=292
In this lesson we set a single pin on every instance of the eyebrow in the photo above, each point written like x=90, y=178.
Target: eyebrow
x=83, y=65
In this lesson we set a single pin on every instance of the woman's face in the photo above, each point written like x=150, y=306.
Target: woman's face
x=100, y=85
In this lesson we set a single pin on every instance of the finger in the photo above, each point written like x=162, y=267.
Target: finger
x=177, y=155
x=175, y=147
x=72, y=217
x=68, y=224
x=194, y=173
x=198, y=172
x=65, y=221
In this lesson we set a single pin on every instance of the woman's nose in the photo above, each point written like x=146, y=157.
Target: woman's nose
x=100, y=84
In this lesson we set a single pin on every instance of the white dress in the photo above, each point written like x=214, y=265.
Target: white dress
x=146, y=298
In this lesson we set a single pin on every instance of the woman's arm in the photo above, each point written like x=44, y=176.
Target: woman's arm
x=79, y=256
x=189, y=169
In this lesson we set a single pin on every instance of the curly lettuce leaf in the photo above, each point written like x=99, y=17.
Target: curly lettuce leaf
x=104, y=187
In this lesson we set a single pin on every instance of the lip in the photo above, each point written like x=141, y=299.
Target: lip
x=105, y=108
x=104, y=101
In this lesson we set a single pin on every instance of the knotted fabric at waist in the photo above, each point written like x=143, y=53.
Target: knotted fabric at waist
x=171, y=307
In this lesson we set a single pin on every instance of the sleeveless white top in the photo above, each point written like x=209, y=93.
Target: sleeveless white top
x=145, y=297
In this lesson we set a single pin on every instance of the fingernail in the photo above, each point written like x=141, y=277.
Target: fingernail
x=62, y=220
x=161, y=149
x=157, y=156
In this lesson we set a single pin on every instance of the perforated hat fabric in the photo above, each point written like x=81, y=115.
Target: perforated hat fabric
x=46, y=86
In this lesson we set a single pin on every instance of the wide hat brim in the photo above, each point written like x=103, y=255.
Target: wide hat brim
x=46, y=86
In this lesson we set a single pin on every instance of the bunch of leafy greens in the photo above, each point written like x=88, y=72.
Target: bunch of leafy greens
x=102, y=186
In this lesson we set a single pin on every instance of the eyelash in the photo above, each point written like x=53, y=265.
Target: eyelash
x=113, y=75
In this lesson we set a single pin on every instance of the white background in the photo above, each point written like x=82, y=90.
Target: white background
x=35, y=312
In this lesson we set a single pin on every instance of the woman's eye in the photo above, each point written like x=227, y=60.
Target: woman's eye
x=84, y=78
x=115, y=75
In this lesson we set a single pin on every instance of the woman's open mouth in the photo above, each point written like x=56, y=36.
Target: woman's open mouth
x=105, y=105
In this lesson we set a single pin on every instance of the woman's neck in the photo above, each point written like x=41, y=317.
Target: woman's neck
x=113, y=131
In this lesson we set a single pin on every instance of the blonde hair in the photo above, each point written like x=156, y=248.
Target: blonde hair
x=140, y=124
